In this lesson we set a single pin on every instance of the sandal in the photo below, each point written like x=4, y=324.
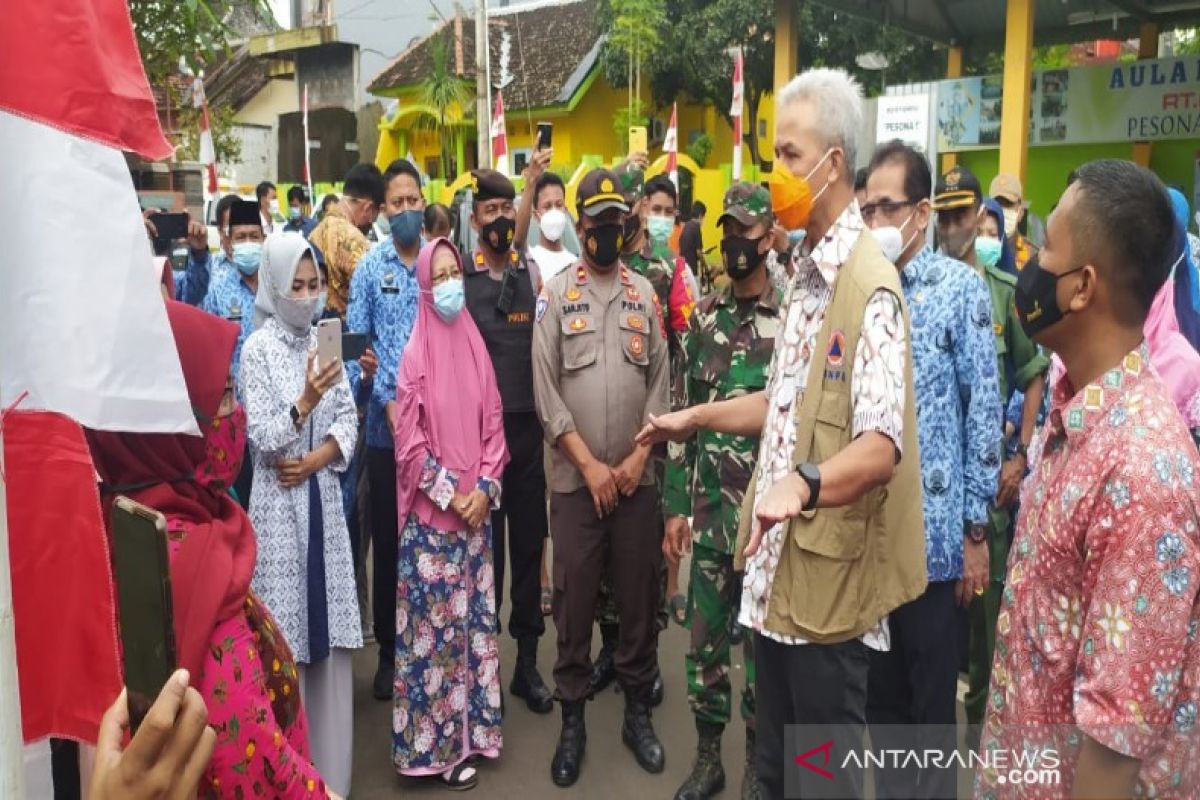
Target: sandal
x=678, y=606
x=547, y=601
x=460, y=778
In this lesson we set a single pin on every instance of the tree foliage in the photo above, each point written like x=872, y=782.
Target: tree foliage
x=196, y=30
x=448, y=95
x=226, y=144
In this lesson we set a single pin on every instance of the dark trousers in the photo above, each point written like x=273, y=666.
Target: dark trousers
x=628, y=543
x=809, y=684
x=519, y=527
x=913, y=693
x=385, y=536
x=244, y=482
x=64, y=769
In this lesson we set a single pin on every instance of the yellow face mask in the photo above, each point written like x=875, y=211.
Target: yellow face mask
x=792, y=196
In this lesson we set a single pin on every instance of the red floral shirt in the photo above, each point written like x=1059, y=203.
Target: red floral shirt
x=1098, y=629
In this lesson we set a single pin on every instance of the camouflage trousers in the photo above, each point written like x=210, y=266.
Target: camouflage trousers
x=714, y=598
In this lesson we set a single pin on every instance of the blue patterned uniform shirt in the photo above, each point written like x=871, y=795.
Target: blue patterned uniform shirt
x=959, y=418
x=230, y=298
x=383, y=305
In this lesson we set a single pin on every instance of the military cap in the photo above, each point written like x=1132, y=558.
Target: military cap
x=958, y=188
x=488, y=184
x=1006, y=187
x=599, y=191
x=748, y=203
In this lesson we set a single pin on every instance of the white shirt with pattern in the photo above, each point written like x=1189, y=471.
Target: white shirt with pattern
x=877, y=394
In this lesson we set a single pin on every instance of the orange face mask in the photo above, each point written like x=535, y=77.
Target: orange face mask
x=792, y=196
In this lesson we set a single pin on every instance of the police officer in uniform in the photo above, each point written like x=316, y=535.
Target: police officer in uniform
x=600, y=369
x=501, y=293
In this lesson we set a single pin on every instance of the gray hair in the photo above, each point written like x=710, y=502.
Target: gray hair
x=836, y=97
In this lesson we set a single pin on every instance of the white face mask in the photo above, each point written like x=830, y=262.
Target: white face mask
x=1011, y=217
x=891, y=239
x=552, y=224
x=274, y=206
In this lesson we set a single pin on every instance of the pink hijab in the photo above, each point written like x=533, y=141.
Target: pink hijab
x=1173, y=356
x=448, y=402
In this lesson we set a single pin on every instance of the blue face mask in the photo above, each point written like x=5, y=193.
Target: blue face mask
x=448, y=299
x=660, y=229
x=406, y=228
x=294, y=213
x=247, y=257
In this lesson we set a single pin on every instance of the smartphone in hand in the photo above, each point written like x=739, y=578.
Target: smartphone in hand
x=545, y=131
x=638, y=140
x=329, y=342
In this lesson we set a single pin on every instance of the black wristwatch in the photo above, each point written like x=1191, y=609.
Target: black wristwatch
x=1021, y=450
x=811, y=474
x=977, y=532
x=296, y=415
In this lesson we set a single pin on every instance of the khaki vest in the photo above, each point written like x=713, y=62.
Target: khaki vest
x=842, y=569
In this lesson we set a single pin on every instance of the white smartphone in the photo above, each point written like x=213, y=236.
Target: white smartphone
x=329, y=342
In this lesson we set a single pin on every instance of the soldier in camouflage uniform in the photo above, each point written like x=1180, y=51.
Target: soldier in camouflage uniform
x=648, y=253
x=727, y=349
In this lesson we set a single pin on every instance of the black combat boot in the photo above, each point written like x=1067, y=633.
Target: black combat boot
x=750, y=787
x=568, y=757
x=527, y=683
x=708, y=776
x=604, y=669
x=655, y=696
x=385, y=677
x=638, y=733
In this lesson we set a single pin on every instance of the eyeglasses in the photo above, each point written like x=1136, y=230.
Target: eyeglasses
x=886, y=207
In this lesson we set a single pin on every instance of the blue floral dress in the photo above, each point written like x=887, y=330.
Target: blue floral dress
x=447, y=688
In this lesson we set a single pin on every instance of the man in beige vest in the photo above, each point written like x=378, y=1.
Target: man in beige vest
x=832, y=529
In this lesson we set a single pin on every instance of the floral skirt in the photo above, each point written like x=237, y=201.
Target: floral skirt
x=447, y=704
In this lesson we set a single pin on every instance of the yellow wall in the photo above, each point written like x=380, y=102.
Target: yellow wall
x=277, y=97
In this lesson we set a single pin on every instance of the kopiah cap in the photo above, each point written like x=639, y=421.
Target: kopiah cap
x=599, y=191
x=748, y=203
x=488, y=184
x=245, y=212
x=958, y=188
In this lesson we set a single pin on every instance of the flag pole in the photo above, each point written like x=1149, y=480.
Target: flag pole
x=307, y=165
x=12, y=757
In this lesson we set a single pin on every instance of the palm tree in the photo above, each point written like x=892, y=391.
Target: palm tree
x=448, y=95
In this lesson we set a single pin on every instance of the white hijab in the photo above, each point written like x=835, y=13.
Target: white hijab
x=282, y=252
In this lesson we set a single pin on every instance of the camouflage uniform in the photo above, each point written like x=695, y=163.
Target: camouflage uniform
x=727, y=349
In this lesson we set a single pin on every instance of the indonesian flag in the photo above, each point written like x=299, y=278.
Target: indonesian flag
x=499, y=137
x=83, y=332
x=735, y=111
x=671, y=148
x=208, y=153
x=83, y=328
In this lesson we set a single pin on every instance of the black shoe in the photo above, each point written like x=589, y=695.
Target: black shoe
x=638, y=734
x=527, y=684
x=708, y=775
x=385, y=680
x=655, y=696
x=568, y=756
x=604, y=670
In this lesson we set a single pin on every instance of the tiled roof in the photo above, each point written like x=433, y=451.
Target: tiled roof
x=547, y=44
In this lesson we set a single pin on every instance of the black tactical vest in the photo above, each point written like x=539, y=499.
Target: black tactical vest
x=509, y=337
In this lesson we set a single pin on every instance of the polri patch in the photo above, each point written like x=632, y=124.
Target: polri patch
x=543, y=303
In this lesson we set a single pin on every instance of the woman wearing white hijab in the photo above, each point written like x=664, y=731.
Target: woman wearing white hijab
x=302, y=426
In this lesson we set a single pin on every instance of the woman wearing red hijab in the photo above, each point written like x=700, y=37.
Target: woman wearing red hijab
x=450, y=454
x=226, y=639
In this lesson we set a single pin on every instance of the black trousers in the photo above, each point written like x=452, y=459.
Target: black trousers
x=811, y=685
x=913, y=693
x=385, y=537
x=519, y=528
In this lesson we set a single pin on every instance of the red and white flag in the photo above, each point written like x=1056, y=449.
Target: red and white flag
x=307, y=163
x=671, y=148
x=499, y=137
x=83, y=328
x=735, y=111
x=208, y=153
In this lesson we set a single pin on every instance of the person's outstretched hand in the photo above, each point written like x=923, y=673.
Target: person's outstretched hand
x=165, y=758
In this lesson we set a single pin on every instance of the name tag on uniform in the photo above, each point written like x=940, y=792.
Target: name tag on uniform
x=235, y=312
x=575, y=308
x=518, y=317
x=388, y=284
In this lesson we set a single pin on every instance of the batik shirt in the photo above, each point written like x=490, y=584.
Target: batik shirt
x=343, y=246
x=230, y=298
x=959, y=419
x=383, y=305
x=877, y=393
x=191, y=284
x=1099, y=622
x=727, y=349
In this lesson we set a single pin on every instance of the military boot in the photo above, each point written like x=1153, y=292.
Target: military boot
x=750, y=787
x=604, y=669
x=708, y=775
x=638, y=733
x=568, y=757
x=527, y=682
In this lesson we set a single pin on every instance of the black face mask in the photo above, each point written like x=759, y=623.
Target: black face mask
x=633, y=226
x=604, y=244
x=498, y=234
x=1036, y=297
x=741, y=256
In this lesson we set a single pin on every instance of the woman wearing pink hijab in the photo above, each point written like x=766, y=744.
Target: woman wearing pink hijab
x=450, y=452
